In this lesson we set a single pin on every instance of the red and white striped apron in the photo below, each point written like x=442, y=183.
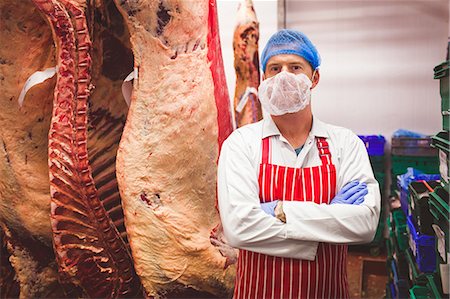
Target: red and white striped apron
x=264, y=276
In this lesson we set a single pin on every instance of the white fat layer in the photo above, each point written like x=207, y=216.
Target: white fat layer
x=127, y=85
x=246, y=13
x=35, y=79
x=244, y=99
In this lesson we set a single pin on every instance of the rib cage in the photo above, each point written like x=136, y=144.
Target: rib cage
x=89, y=250
x=107, y=129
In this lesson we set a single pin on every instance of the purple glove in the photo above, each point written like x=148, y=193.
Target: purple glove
x=269, y=207
x=353, y=194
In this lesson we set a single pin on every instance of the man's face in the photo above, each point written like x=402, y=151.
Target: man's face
x=290, y=63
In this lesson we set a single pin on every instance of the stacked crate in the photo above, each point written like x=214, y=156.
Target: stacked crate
x=375, y=148
x=411, y=260
x=412, y=152
x=396, y=245
x=423, y=210
x=439, y=199
x=411, y=255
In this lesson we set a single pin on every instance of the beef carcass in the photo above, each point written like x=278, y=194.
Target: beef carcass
x=247, y=107
x=90, y=252
x=166, y=162
x=24, y=186
x=24, y=183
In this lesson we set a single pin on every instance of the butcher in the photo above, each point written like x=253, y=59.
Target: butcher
x=294, y=191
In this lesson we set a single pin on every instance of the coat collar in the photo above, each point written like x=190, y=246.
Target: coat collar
x=318, y=128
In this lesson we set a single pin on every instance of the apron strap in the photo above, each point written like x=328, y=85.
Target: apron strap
x=324, y=151
x=266, y=154
x=322, y=146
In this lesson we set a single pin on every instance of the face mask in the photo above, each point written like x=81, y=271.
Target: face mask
x=285, y=93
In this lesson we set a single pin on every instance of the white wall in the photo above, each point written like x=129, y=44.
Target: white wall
x=377, y=58
x=377, y=61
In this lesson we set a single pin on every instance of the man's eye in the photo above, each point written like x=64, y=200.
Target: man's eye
x=274, y=68
x=296, y=67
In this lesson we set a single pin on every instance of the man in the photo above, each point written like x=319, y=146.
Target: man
x=277, y=185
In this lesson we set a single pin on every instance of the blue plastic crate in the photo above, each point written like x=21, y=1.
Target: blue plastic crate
x=392, y=290
x=403, y=181
x=374, y=144
x=422, y=246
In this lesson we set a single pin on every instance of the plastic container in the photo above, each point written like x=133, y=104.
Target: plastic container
x=398, y=223
x=389, y=249
x=419, y=194
x=425, y=164
x=377, y=163
x=410, y=146
x=420, y=292
x=400, y=281
x=446, y=186
x=439, y=208
x=380, y=177
x=415, y=275
x=422, y=246
x=390, y=291
x=378, y=239
x=427, y=291
x=441, y=72
x=401, y=264
x=405, y=179
x=374, y=144
x=444, y=169
x=442, y=143
x=402, y=289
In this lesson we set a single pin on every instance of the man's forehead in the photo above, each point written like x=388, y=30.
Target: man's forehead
x=286, y=58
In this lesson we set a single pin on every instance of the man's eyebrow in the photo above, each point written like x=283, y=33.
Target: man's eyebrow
x=298, y=62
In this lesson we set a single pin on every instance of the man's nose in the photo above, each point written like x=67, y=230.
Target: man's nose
x=285, y=68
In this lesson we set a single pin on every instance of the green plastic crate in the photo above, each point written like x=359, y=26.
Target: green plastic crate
x=389, y=249
x=400, y=229
x=442, y=143
x=388, y=291
x=419, y=195
x=415, y=275
x=378, y=238
x=381, y=179
x=429, y=165
x=428, y=291
x=377, y=163
x=441, y=72
x=445, y=186
x=439, y=208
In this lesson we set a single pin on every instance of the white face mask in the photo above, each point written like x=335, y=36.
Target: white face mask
x=285, y=93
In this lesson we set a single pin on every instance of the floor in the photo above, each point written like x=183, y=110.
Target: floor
x=367, y=274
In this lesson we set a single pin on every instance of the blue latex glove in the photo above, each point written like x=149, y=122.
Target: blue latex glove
x=353, y=193
x=269, y=207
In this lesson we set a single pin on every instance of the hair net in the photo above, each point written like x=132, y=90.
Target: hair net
x=288, y=41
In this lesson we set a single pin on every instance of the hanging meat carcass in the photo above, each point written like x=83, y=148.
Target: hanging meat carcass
x=28, y=265
x=90, y=252
x=247, y=107
x=166, y=163
x=86, y=224
x=24, y=185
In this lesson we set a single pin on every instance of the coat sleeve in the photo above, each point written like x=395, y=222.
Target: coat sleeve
x=340, y=223
x=246, y=225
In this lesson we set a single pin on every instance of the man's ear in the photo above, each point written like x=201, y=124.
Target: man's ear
x=315, y=79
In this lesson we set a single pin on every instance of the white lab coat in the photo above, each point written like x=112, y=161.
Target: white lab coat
x=246, y=226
